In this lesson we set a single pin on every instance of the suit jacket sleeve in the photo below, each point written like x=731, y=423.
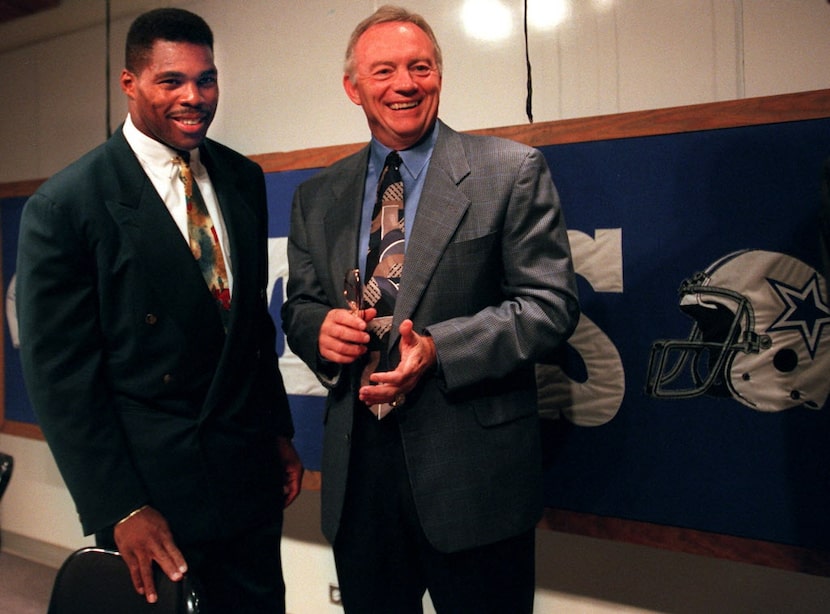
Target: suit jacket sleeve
x=62, y=356
x=534, y=308
x=322, y=245
x=308, y=304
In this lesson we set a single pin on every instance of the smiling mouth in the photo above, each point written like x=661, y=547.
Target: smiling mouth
x=402, y=106
x=190, y=119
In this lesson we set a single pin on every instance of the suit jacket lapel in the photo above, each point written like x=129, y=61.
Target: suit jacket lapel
x=440, y=210
x=159, y=245
x=240, y=224
x=342, y=221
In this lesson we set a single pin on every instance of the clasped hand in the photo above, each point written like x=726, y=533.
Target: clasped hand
x=343, y=339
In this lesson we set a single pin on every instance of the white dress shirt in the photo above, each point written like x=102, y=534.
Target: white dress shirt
x=157, y=161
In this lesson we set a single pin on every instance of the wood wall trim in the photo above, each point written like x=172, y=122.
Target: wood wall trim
x=21, y=429
x=671, y=120
x=690, y=118
x=674, y=120
x=675, y=539
x=689, y=541
x=19, y=188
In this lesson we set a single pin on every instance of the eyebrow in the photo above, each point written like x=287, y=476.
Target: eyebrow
x=425, y=60
x=176, y=73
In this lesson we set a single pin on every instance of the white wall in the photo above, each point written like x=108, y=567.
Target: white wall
x=280, y=69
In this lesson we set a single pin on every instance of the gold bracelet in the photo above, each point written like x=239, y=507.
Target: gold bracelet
x=131, y=514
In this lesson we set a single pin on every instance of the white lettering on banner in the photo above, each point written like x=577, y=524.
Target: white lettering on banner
x=596, y=400
x=592, y=402
x=298, y=378
x=599, y=258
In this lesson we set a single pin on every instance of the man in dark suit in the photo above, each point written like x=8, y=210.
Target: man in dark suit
x=160, y=396
x=431, y=476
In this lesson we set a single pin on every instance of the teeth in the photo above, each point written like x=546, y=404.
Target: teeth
x=403, y=105
x=190, y=122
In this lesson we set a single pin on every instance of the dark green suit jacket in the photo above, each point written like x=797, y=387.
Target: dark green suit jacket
x=139, y=392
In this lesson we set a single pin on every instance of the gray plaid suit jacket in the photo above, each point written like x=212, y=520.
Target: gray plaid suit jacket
x=489, y=275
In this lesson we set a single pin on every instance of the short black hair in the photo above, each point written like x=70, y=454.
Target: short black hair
x=168, y=24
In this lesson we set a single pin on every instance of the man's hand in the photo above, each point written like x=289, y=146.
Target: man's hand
x=293, y=468
x=418, y=356
x=343, y=335
x=144, y=537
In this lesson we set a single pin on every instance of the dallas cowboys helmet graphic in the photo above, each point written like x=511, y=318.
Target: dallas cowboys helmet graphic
x=760, y=335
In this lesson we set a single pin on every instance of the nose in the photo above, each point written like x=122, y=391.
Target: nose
x=404, y=81
x=191, y=93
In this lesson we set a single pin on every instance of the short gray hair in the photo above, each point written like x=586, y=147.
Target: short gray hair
x=388, y=14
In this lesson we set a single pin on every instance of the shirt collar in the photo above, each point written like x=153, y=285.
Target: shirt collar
x=153, y=154
x=414, y=159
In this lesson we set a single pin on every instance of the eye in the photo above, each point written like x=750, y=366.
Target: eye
x=382, y=73
x=421, y=69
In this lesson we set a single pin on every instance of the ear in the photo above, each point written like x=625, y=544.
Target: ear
x=127, y=81
x=351, y=90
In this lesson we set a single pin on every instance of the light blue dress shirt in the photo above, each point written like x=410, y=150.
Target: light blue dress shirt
x=413, y=171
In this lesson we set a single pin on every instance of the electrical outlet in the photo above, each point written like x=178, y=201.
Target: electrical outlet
x=334, y=594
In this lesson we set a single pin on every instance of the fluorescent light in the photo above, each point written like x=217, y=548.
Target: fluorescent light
x=486, y=19
x=547, y=14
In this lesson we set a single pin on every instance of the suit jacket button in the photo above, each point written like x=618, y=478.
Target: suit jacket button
x=167, y=379
x=151, y=318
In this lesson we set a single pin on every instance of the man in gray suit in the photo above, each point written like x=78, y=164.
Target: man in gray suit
x=442, y=493
x=160, y=396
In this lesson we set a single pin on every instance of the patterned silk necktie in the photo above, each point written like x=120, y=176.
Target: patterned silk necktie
x=385, y=261
x=204, y=243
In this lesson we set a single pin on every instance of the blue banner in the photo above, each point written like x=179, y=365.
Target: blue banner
x=694, y=391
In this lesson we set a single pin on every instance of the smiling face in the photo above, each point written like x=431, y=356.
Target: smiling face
x=173, y=97
x=397, y=82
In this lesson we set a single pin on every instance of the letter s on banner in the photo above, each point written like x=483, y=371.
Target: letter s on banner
x=596, y=400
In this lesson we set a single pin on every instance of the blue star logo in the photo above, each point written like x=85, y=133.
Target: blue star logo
x=805, y=311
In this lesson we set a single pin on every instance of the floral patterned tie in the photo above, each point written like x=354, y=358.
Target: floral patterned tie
x=204, y=243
